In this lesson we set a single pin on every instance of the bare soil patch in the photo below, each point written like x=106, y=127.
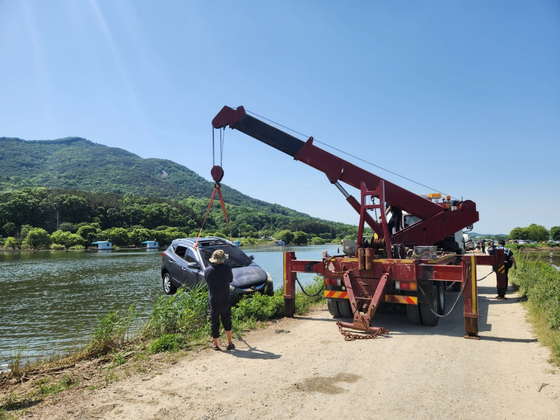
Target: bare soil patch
x=303, y=368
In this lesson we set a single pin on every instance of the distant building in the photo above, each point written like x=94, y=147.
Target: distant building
x=150, y=245
x=102, y=245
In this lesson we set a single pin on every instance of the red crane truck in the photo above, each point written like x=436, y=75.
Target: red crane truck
x=412, y=266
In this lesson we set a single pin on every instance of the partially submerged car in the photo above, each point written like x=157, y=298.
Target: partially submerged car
x=183, y=264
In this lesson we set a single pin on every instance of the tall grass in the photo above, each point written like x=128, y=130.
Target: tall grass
x=112, y=332
x=539, y=283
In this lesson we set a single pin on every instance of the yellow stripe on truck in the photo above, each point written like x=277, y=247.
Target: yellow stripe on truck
x=407, y=300
x=334, y=294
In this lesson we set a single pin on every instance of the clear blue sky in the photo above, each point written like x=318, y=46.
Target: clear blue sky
x=463, y=97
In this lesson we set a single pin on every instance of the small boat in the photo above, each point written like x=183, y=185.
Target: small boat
x=279, y=243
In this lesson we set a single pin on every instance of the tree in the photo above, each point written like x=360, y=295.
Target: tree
x=10, y=229
x=519, y=233
x=37, y=238
x=89, y=233
x=300, y=238
x=10, y=243
x=316, y=240
x=118, y=236
x=66, y=227
x=285, y=235
x=139, y=235
x=62, y=238
x=67, y=239
x=555, y=233
x=537, y=233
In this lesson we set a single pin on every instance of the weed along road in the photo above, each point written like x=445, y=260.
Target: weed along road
x=303, y=369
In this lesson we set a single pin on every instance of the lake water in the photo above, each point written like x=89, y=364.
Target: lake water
x=52, y=299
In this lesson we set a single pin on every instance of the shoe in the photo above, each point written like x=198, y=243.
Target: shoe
x=216, y=348
x=500, y=297
x=231, y=346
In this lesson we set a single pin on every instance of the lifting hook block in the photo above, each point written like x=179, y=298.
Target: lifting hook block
x=217, y=173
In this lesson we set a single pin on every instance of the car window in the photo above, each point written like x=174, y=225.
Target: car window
x=190, y=257
x=180, y=251
x=237, y=258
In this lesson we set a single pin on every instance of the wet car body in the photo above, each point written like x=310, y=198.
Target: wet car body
x=183, y=264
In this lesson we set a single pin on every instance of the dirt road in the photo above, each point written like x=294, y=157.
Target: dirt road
x=302, y=368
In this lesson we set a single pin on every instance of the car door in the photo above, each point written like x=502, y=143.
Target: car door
x=177, y=265
x=195, y=270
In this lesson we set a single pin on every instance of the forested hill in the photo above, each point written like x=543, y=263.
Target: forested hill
x=75, y=163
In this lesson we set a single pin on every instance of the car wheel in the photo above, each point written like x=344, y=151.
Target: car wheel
x=168, y=286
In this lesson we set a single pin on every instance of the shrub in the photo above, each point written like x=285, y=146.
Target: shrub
x=539, y=283
x=259, y=307
x=185, y=313
x=167, y=342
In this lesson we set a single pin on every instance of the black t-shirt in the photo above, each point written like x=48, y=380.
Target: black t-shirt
x=218, y=277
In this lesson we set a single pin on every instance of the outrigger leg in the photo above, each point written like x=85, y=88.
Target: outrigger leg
x=361, y=321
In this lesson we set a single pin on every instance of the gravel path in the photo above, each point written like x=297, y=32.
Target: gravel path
x=303, y=369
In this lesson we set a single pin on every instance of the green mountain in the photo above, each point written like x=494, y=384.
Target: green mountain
x=78, y=164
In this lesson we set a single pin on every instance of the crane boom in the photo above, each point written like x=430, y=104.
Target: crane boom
x=437, y=221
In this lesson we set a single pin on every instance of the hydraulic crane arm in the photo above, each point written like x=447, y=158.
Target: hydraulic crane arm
x=337, y=169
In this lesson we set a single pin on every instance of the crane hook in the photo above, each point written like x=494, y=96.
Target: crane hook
x=217, y=173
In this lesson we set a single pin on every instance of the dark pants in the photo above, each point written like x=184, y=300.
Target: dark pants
x=394, y=222
x=223, y=311
x=502, y=290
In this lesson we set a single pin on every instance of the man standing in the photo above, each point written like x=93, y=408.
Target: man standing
x=218, y=277
x=509, y=260
x=396, y=218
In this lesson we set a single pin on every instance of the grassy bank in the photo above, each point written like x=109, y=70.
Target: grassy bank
x=122, y=344
x=539, y=285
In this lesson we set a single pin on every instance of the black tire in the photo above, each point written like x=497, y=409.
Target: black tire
x=441, y=287
x=333, y=308
x=430, y=309
x=384, y=307
x=413, y=314
x=168, y=287
x=345, y=308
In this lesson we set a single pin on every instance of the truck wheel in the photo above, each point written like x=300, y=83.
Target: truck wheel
x=413, y=314
x=333, y=308
x=441, y=298
x=345, y=308
x=427, y=309
x=168, y=287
